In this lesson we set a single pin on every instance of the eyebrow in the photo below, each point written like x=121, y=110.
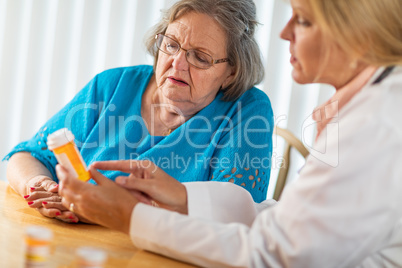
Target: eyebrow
x=300, y=9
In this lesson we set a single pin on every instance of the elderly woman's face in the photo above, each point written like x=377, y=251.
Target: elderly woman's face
x=182, y=85
x=314, y=60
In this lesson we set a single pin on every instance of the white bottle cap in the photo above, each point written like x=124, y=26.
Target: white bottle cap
x=59, y=138
x=39, y=233
x=91, y=255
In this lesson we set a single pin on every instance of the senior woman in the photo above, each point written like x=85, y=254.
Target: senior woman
x=195, y=112
x=344, y=216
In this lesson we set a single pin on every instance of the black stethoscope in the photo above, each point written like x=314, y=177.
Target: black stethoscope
x=384, y=74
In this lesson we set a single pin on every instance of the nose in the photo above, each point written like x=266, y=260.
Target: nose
x=287, y=32
x=180, y=61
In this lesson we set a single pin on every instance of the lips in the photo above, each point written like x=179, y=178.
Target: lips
x=293, y=59
x=177, y=81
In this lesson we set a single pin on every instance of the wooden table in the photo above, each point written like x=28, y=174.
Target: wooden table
x=15, y=215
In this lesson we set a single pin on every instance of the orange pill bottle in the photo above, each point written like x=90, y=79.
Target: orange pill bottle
x=37, y=246
x=62, y=144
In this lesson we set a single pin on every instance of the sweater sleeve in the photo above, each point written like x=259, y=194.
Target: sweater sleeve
x=243, y=152
x=79, y=115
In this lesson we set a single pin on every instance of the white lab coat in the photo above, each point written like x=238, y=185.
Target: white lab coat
x=344, y=210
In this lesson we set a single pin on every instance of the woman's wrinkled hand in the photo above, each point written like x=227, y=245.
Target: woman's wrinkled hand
x=43, y=196
x=149, y=183
x=106, y=203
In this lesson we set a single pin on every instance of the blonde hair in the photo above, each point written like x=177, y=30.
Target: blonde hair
x=369, y=30
x=238, y=20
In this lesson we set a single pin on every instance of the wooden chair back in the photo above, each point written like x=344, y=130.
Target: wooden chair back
x=291, y=141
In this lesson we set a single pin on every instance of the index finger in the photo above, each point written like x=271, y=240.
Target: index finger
x=127, y=166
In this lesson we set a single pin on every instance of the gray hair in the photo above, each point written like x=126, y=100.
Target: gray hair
x=238, y=20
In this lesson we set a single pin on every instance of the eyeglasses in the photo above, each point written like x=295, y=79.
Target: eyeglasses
x=195, y=57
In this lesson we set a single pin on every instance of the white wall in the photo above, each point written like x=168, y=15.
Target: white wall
x=49, y=49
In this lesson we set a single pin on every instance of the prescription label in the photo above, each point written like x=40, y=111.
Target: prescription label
x=69, y=156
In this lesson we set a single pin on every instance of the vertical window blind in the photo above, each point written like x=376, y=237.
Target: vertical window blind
x=49, y=49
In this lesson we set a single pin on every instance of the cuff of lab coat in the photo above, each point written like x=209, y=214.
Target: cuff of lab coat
x=198, y=200
x=141, y=225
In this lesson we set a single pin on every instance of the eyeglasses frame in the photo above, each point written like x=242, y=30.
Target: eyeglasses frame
x=213, y=62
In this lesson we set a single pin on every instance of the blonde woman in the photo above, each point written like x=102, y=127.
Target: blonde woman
x=344, y=216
